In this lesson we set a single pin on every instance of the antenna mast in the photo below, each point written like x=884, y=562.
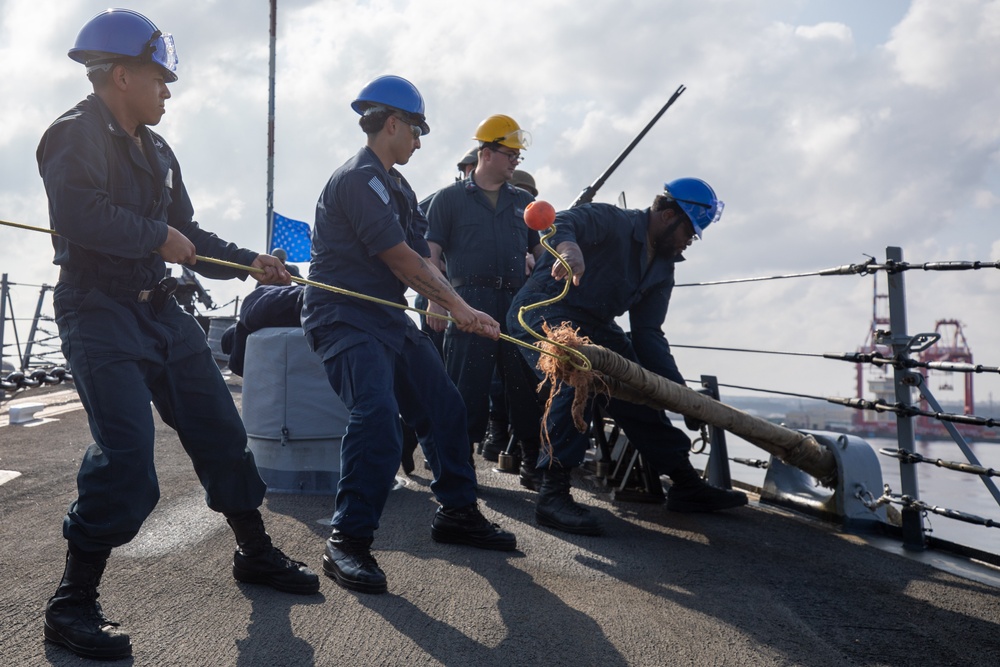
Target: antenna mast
x=270, y=128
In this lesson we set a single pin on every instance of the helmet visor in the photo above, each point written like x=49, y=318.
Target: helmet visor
x=701, y=214
x=519, y=139
x=161, y=50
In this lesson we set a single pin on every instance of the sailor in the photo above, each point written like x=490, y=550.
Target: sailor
x=465, y=167
x=369, y=238
x=468, y=163
x=266, y=306
x=119, y=205
x=477, y=228
x=525, y=181
x=623, y=262
x=282, y=255
x=497, y=435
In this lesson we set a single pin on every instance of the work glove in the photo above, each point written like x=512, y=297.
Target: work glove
x=693, y=423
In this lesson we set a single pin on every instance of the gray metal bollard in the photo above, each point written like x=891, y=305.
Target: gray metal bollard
x=859, y=481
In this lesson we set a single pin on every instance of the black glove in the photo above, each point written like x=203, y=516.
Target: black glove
x=693, y=423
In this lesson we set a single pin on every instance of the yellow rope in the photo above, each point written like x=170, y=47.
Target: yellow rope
x=28, y=227
x=584, y=364
x=330, y=288
x=365, y=297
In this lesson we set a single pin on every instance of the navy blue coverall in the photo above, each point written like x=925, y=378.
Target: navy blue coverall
x=380, y=365
x=111, y=203
x=266, y=306
x=484, y=248
x=619, y=278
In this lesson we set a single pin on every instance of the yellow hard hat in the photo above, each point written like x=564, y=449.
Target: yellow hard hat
x=503, y=130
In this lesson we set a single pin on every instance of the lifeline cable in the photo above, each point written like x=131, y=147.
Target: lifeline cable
x=875, y=358
x=879, y=406
x=741, y=349
x=907, y=456
x=908, y=502
x=862, y=269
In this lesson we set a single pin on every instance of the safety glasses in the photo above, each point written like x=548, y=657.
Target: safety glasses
x=415, y=129
x=515, y=158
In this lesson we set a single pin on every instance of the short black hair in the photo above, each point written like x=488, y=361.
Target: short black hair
x=373, y=121
x=666, y=202
x=100, y=73
x=99, y=76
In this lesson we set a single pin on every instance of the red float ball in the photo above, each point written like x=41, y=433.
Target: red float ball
x=539, y=215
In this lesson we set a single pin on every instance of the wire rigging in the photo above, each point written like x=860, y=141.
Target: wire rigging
x=863, y=269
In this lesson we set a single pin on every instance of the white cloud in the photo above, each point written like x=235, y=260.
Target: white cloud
x=825, y=149
x=833, y=31
x=947, y=45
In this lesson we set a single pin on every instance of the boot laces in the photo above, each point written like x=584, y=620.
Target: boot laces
x=280, y=559
x=472, y=517
x=359, y=550
x=90, y=609
x=366, y=560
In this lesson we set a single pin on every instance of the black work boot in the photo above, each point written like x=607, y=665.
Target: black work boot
x=74, y=619
x=349, y=562
x=690, y=493
x=467, y=525
x=531, y=476
x=556, y=507
x=495, y=440
x=257, y=561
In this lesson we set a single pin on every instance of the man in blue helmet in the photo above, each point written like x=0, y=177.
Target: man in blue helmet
x=369, y=238
x=121, y=211
x=622, y=262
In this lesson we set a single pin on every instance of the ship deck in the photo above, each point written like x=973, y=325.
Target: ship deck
x=754, y=586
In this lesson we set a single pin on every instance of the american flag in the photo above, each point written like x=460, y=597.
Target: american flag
x=293, y=236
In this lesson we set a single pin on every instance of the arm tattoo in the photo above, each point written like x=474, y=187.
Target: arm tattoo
x=429, y=284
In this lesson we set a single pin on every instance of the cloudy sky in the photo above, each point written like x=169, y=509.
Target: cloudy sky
x=832, y=129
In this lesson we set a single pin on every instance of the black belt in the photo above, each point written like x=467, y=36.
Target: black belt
x=158, y=294
x=493, y=282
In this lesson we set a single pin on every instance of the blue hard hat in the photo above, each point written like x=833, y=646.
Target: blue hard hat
x=697, y=199
x=117, y=33
x=395, y=92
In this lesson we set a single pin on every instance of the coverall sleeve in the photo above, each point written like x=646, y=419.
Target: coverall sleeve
x=438, y=221
x=583, y=225
x=366, y=203
x=650, y=343
x=75, y=170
